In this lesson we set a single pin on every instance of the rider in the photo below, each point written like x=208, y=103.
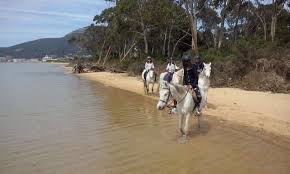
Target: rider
x=191, y=72
x=171, y=67
x=149, y=65
x=198, y=64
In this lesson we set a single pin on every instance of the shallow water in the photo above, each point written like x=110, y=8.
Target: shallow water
x=51, y=122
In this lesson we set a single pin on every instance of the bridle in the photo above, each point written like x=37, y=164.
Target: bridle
x=166, y=101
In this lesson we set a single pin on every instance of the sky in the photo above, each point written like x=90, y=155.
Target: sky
x=26, y=20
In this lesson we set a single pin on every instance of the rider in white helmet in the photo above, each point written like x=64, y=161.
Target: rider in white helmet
x=149, y=65
x=171, y=68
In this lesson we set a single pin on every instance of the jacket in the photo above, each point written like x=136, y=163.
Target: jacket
x=191, y=75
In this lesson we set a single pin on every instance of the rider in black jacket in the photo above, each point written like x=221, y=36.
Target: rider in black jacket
x=191, y=72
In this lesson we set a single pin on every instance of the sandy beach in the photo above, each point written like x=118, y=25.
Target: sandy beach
x=262, y=110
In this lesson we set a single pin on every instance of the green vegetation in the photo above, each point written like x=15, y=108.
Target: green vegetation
x=244, y=39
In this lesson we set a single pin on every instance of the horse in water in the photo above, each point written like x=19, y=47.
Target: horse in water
x=185, y=103
x=149, y=79
x=183, y=96
x=203, y=81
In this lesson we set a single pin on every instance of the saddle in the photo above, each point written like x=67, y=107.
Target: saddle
x=145, y=75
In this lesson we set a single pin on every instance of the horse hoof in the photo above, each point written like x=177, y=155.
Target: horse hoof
x=183, y=139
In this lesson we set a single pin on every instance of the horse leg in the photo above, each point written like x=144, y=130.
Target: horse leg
x=153, y=88
x=181, y=117
x=205, y=98
x=198, y=121
x=202, y=102
x=145, y=88
x=187, y=119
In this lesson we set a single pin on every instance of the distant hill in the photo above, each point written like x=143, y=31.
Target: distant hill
x=41, y=47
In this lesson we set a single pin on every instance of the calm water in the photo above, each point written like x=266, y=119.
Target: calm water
x=51, y=122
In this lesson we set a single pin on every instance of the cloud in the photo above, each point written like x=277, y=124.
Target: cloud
x=33, y=19
x=49, y=13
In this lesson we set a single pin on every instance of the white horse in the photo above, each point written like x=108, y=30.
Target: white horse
x=203, y=81
x=185, y=103
x=150, y=79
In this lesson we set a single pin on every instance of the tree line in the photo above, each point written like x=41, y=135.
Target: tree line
x=168, y=28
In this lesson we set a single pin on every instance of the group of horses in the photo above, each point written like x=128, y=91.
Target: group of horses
x=183, y=95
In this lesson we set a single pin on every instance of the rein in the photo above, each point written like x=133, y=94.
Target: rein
x=170, y=95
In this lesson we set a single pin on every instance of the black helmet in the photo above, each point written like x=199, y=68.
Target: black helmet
x=197, y=57
x=186, y=58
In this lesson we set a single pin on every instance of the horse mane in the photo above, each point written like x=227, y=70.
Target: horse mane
x=179, y=88
x=180, y=72
x=202, y=73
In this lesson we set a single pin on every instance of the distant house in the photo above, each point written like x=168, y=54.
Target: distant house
x=18, y=60
x=47, y=58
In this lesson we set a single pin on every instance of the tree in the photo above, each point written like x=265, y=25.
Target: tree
x=277, y=7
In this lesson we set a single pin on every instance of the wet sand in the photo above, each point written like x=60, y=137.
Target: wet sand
x=262, y=110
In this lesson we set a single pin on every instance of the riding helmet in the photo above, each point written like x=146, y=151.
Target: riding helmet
x=186, y=58
x=197, y=57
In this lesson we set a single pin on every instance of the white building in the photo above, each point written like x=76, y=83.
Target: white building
x=46, y=58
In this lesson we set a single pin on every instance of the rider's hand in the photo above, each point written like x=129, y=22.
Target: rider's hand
x=188, y=87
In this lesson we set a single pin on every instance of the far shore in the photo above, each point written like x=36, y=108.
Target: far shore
x=264, y=111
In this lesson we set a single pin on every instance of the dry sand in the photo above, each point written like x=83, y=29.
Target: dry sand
x=262, y=110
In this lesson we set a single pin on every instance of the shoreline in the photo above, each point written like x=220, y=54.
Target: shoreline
x=264, y=111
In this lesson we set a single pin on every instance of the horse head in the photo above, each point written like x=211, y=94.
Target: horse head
x=207, y=69
x=164, y=94
x=151, y=74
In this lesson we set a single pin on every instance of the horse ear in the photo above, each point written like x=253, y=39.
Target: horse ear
x=209, y=63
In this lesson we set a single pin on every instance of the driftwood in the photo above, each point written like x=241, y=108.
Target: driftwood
x=114, y=70
x=98, y=69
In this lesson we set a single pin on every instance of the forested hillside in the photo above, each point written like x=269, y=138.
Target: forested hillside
x=247, y=41
x=46, y=46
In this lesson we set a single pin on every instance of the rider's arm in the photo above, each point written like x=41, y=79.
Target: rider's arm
x=167, y=68
x=176, y=67
x=152, y=66
x=200, y=68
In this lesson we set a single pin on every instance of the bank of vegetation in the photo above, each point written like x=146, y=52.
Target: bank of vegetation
x=247, y=41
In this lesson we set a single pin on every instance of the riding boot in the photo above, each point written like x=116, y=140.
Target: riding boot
x=173, y=110
x=198, y=96
x=198, y=102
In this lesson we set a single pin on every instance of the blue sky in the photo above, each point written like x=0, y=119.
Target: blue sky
x=25, y=20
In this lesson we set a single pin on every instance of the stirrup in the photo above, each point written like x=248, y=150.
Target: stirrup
x=198, y=112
